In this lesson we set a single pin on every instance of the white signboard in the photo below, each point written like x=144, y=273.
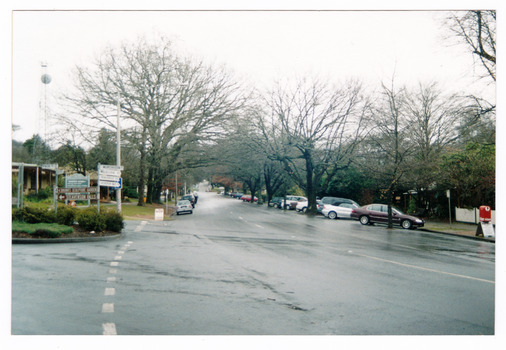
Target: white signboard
x=159, y=214
x=110, y=167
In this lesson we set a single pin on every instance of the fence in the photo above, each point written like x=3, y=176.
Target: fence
x=470, y=215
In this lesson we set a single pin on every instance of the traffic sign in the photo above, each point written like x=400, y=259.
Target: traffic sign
x=76, y=197
x=106, y=183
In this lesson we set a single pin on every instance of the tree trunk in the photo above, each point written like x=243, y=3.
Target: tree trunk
x=310, y=188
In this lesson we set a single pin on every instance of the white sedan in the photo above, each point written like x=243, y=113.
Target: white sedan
x=343, y=210
x=302, y=206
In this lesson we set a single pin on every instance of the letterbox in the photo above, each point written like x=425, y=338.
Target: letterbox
x=485, y=214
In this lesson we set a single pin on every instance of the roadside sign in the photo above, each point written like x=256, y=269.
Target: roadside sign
x=110, y=167
x=76, y=196
x=77, y=180
x=77, y=190
x=107, y=172
x=106, y=183
x=109, y=178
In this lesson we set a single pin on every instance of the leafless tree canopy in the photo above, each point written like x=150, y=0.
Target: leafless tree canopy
x=477, y=30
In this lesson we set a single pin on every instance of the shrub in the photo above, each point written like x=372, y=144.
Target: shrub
x=90, y=220
x=46, y=233
x=113, y=220
x=33, y=215
x=41, y=195
x=66, y=215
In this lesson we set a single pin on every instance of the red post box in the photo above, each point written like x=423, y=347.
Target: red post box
x=485, y=214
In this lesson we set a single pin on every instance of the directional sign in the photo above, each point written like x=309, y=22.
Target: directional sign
x=115, y=184
x=107, y=172
x=77, y=190
x=110, y=167
x=109, y=178
x=76, y=197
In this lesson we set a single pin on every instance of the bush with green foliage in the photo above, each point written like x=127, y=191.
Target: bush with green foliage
x=33, y=215
x=66, y=215
x=41, y=195
x=113, y=220
x=90, y=220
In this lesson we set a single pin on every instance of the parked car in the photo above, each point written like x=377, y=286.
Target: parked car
x=238, y=195
x=275, y=202
x=342, y=210
x=378, y=213
x=291, y=201
x=302, y=206
x=184, y=206
x=247, y=198
x=336, y=201
x=191, y=198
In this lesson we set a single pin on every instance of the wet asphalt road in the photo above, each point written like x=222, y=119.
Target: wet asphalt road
x=235, y=268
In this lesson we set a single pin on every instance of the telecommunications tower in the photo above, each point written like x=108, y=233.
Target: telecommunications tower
x=45, y=78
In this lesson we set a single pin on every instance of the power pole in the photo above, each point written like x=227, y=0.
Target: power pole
x=118, y=156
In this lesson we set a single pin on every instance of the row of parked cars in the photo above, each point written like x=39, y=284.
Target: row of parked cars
x=336, y=208
x=243, y=197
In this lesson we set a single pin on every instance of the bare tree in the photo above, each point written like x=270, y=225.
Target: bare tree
x=477, y=30
x=173, y=101
x=316, y=126
x=432, y=117
x=387, y=151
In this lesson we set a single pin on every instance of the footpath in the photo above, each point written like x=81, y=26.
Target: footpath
x=456, y=229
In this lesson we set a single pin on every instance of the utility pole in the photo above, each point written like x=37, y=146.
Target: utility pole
x=118, y=155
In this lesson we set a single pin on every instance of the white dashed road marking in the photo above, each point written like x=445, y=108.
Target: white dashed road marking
x=107, y=308
x=109, y=329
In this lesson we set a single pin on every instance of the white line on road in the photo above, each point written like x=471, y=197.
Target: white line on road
x=111, y=279
x=259, y=226
x=425, y=269
x=118, y=257
x=109, y=329
x=114, y=263
x=107, y=307
x=109, y=291
x=113, y=270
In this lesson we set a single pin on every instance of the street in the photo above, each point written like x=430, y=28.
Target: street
x=232, y=268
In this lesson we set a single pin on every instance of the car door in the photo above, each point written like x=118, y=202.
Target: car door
x=375, y=213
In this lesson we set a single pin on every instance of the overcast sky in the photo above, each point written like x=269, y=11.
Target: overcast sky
x=257, y=45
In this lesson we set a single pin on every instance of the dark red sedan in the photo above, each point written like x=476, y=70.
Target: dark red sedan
x=378, y=213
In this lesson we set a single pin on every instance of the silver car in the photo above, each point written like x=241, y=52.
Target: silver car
x=342, y=210
x=184, y=206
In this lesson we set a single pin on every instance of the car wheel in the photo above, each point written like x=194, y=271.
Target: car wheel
x=406, y=224
x=276, y=205
x=304, y=210
x=364, y=220
x=177, y=213
x=332, y=215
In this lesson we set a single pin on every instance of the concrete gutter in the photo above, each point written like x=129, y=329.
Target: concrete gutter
x=476, y=238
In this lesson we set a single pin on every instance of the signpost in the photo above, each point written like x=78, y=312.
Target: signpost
x=110, y=176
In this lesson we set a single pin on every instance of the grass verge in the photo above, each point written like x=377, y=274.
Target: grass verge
x=53, y=229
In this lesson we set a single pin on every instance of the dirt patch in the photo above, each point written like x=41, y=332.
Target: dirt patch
x=78, y=232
